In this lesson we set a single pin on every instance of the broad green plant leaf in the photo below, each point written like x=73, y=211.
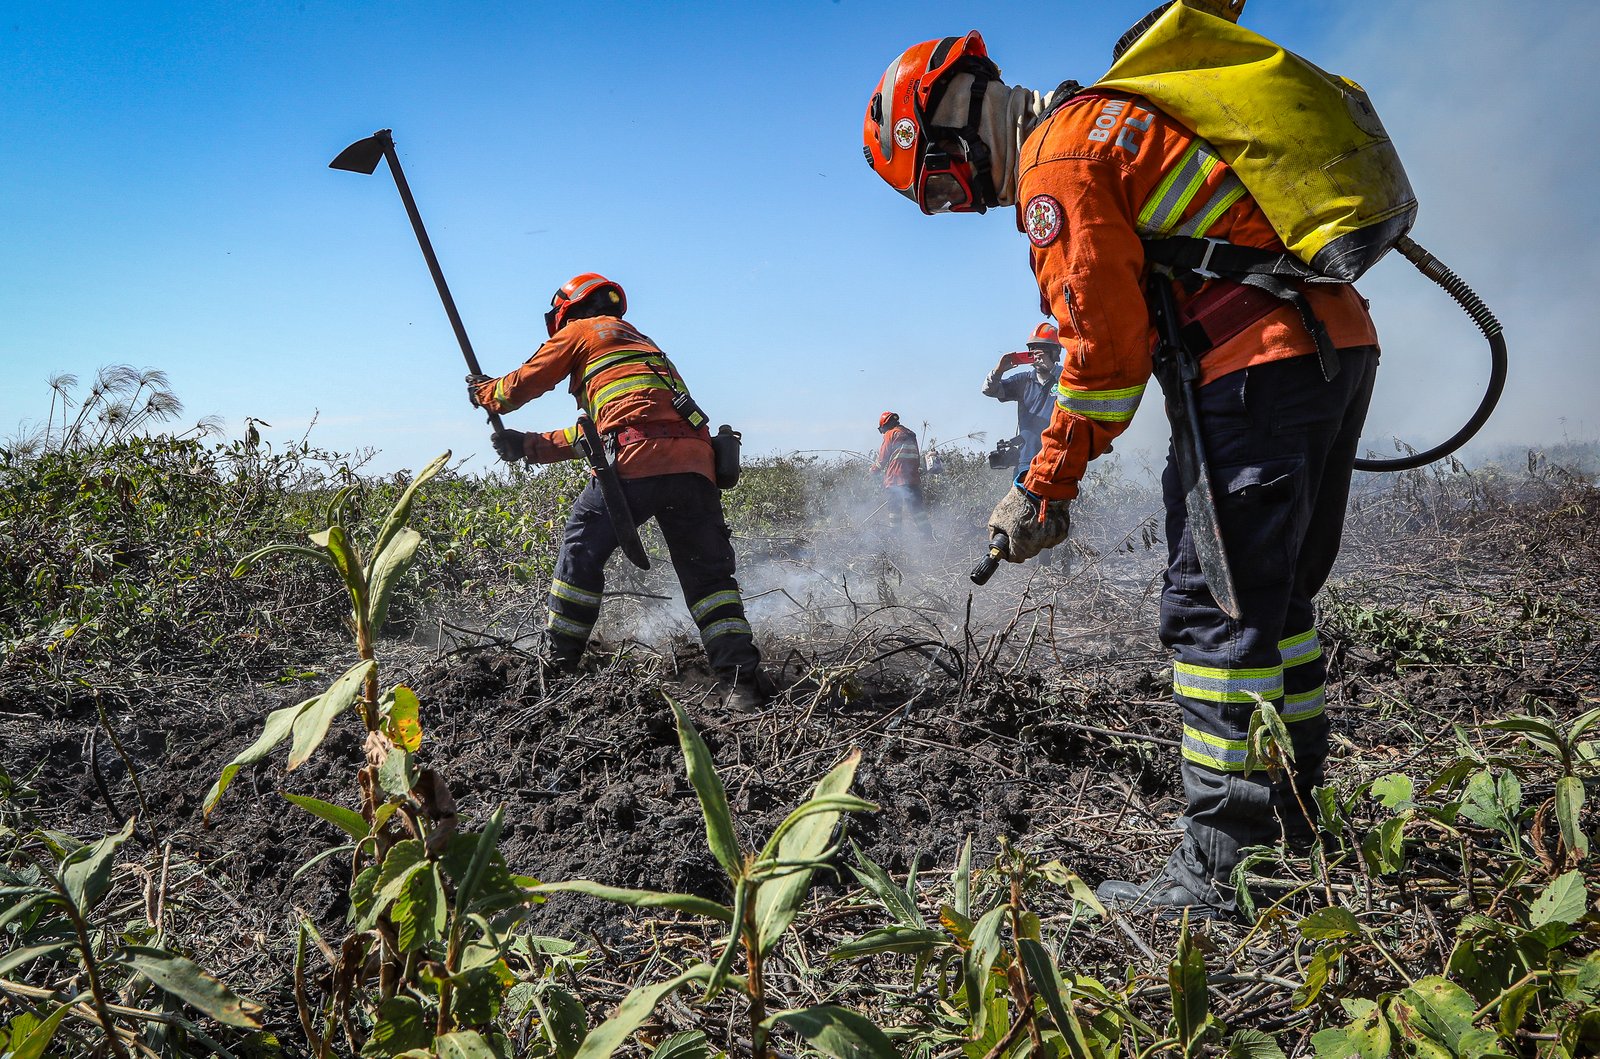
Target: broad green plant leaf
x=1368, y=1037
x=690, y=1044
x=1253, y=1044
x=400, y=515
x=1439, y=1012
x=1564, y=901
x=713, y=798
x=1047, y=983
x=405, y=858
x=189, y=982
x=1394, y=790
x=1191, y=1001
x=31, y=1043
x=311, y=726
x=565, y=1023
x=890, y=939
x=1569, y=812
x=402, y=1025
x=837, y=1032
x=463, y=1044
x=635, y=1009
x=390, y=563
x=86, y=872
x=348, y=562
x=23, y=956
x=961, y=880
x=901, y=904
x=419, y=910
x=349, y=821
x=1330, y=923
x=978, y=963
x=695, y=906
x=276, y=730
x=802, y=839
x=254, y=557
x=401, y=721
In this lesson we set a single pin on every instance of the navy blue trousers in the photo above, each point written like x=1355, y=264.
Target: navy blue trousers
x=688, y=509
x=1280, y=440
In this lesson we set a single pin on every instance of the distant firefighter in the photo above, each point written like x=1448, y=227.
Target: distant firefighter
x=900, y=460
x=1034, y=392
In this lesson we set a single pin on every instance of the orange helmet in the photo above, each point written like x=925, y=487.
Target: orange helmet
x=1045, y=335
x=579, y=289
x=887, y=420
x=943, y=169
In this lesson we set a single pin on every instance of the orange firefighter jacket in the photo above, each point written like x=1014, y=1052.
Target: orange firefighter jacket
x=625, y=383
x=899, y=458
x=1091, y=176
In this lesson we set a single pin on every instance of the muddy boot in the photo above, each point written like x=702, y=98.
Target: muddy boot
x=1163, y=895
x=746, y=693
x=560, y=658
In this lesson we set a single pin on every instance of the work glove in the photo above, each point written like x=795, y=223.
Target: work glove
x=1017, y=515
x=475, y=383
x=510, y=445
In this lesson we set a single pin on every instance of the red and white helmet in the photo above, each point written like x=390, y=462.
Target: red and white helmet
x=887, y=420
x=943, y=169
x=1045, y=338
x=578, y=289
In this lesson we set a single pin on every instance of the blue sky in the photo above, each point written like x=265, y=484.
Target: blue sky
x=165, y=201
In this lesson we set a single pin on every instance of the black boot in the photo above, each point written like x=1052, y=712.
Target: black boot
x=1163, y=894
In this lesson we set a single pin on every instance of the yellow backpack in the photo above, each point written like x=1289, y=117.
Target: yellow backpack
x=1305, y=143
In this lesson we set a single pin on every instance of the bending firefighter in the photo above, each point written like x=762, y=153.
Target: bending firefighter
x=1034, y=392
x=1282, y=391
x=900, y=461
x=662, y=456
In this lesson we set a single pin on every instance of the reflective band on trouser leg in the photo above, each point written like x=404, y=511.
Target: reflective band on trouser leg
x=725, y=627
x=702, y=609
x=1305, y=696
x=1209, y=690
x=573, y=610
x=1105, y=406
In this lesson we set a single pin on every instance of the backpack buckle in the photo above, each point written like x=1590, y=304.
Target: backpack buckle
x=1205, y=260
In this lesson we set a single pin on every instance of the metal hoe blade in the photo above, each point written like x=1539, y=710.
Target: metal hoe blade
x=362, y=156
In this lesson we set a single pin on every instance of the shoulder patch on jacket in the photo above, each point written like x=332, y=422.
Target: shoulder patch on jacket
x=1041, y=219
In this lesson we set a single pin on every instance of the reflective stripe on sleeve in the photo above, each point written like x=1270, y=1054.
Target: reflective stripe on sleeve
x=1228, y=192
x=1298, y=650
x=1177, y=189
x=1226, y=685
x=1105, y=406
x=712, y=602
x=1213, y=751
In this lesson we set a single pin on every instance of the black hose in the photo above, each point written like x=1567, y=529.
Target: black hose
x=1453, y=285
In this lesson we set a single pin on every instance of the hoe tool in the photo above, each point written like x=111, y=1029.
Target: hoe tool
x=588, y=443
x=1176, y=369
x=363, y=157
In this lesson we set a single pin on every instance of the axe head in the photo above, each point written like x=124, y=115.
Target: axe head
x=362, y=156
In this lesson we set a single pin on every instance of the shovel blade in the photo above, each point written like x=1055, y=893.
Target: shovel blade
x=362, y=156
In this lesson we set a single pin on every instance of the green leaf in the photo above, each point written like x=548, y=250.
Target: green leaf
x=565, y=1023
x=189, y=982
x=695, y=906
x=393, y=561
x=401, y=719
x=1319, y=972
x=349, y=821
x=1253, y=1044
x=1186, y=978
x=463, y=1044
x=486, y=862
x=396, y=777
x=348, y=562
x=1330, y=923
x=400, y=514
x=1564, y=901
x=961, y=880
x=1569, y=811
x=1393, y=790
x=86, y=872
x=978, y=963
x=1434, y=1009
x=419, y=910
x=1366, y=1038
x=690, y=1044
x=274, y=732
x=713, y=799
x=803, y=838
x=32, y=1043
x=837, y=1032
x=405, y=859
x=632, y=1013
x=899, y=903
x=1581, y=724
x=890, y=939
x=21, y=957
x=1047, y=983
x=298, y=549
x=311, y=726
x=402, y=1025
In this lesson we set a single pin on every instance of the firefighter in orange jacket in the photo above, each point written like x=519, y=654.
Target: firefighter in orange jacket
x=1092, y=174
x=628, y=386
x=900, y=460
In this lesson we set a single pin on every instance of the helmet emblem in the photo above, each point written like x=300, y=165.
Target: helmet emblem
x=905, y=134
x=1041, y=218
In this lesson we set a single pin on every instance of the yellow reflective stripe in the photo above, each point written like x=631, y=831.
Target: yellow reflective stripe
x=1298, y=650
x=1213, y=751
x=712, y=602
x=638, y=356
x=1105, y=406
x=574, y=594
x=725, y=627
x=567, y=627
x=1227, y=193
x=633, y=382
x=1304, y=705
x=500, y=395
x=1226, y=685
x=1177, y=189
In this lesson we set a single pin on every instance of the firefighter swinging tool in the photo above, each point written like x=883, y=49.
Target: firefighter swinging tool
x=363, y=157
x=589, y=444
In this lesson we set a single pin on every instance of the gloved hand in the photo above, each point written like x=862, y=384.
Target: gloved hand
x=1017, y=516
x=509, y=445
x=474, y=382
